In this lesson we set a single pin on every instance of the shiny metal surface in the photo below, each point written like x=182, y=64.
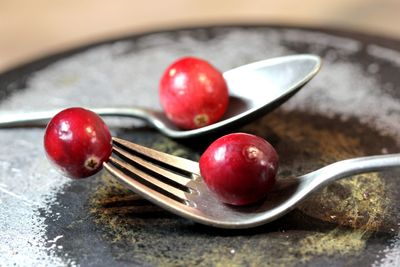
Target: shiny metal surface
x=254, y=89
x=175, y=184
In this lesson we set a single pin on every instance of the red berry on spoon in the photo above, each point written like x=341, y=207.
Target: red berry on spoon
x=240, y=168
x=77, y=141
x=193, y=93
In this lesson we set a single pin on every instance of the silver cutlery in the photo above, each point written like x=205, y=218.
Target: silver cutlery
x=176, y=185
x=255, y=89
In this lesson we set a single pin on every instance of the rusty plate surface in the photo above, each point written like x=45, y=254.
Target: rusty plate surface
x=352, y=108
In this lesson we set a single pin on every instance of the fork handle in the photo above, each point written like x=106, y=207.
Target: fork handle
x=349, y=167
x=41, y=118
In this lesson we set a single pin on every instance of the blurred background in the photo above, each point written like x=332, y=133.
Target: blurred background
x=30, y=29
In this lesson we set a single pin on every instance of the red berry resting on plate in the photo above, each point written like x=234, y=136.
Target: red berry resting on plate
x=193, y=93
x=240, y=168
x=77, y=141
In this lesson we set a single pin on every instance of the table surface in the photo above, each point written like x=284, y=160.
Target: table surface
x=30, y=29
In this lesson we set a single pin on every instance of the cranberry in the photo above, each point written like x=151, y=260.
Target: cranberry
x=193, y=93
x=240, y=168
x=77, y=141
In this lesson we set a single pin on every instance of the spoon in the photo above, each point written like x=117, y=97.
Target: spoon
x=175, y=184
x=254, y=89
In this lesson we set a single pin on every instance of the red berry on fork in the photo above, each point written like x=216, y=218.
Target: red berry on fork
x=77, y=141
x=240, y=168
x=193, y=93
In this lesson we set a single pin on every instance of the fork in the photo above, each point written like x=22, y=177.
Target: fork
x=175, y=184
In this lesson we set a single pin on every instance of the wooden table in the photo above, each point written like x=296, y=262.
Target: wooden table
x=30, y=29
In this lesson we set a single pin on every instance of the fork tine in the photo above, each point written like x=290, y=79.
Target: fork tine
x=117, y=167
x=171, y=176
x=174, y=161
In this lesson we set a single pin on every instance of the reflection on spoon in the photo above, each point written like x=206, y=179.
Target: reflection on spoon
x=254, y=89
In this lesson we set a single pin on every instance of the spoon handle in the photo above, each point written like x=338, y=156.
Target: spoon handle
x=41, y=118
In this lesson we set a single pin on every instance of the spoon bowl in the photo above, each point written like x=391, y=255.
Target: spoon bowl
x=254, y=89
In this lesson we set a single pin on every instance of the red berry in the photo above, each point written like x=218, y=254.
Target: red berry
x=193, y=93
x=77, y=141
x=240, y=168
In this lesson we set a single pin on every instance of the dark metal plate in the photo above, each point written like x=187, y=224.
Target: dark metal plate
x=352, y=108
